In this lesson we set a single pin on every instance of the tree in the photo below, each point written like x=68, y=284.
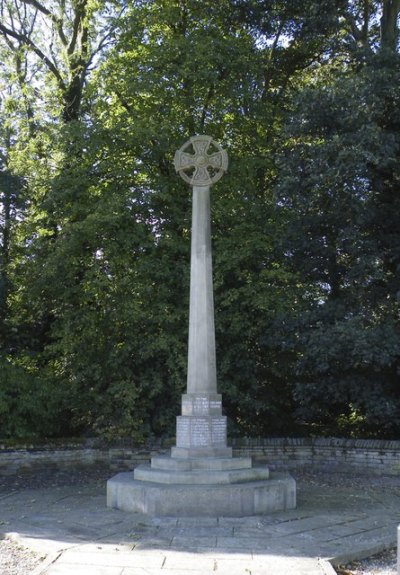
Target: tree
x=60, y=40
x=48, y=51
x=180, y=69
x=339, y=181
x=100, y=95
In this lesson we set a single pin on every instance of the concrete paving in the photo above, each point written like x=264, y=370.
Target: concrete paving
x=81, y=536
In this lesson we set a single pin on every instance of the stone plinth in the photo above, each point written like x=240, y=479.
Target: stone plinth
x=211, y=471
x=202, y=463
x=191, y=500
x=196, y=452
x=199, y=477
x=201, y=430
x=212, y=486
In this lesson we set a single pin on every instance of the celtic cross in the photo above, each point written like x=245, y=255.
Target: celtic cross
x=201, y=162
x=201, y=168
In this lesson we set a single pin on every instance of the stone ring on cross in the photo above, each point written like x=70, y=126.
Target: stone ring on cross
x=205, y=166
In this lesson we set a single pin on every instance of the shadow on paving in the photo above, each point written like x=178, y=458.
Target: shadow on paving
x=337, y=516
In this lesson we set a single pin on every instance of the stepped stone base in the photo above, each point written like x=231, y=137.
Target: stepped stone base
x=199, y=476
x=191, y=464
x=199, y=452
x=189, y=500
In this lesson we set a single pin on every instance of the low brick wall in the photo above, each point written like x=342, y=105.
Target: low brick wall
x=31, y=460
x=327, y=454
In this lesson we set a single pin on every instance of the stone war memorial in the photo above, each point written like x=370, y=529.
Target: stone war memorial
x=201, y=477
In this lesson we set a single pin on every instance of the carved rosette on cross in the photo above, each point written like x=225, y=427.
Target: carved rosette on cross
x=206, y=166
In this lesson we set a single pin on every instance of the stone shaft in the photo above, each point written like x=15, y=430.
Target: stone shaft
x=201, y=376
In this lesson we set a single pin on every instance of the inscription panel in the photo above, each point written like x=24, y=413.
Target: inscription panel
x=182, y=432
x=215, y=405
x=219, y=429
x=201, y=431
x=201, y=404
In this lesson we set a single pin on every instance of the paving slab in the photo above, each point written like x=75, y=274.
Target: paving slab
x=81, y=536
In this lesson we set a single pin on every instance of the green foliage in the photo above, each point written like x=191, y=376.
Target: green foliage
x=30, y=406
x=94, y=275
x=340, y=177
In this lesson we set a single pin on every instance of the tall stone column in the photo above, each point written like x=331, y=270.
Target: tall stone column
x=201, y=429
x=202, y=374
x=201, y=477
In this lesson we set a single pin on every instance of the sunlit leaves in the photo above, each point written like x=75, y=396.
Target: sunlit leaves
x=305, y=223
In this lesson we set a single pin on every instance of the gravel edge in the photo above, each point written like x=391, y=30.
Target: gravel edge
x=17, y=559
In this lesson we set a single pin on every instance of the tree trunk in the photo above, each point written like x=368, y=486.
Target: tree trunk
x=389, y=28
